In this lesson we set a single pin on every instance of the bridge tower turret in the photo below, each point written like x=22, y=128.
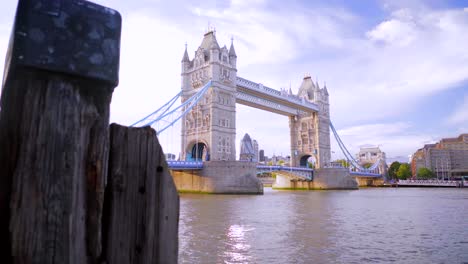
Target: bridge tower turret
x=323, y=127
x=232, y=54
x=185, y=67
x=209, y=129
x=310, y=132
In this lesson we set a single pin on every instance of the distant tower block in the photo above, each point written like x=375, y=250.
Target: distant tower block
x=310, y=132
x=261, y=155
x=209, y=129
x=255, y=147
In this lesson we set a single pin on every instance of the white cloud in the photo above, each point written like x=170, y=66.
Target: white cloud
x=372, y=75
x=394, y=32
x=460, y=115
x=401, y=62
x=375, y=129
x=272, y=36
x=396, y=139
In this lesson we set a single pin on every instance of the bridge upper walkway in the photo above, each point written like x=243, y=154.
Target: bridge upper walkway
x=259, y=96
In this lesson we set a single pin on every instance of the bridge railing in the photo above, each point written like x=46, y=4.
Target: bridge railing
x=185, y=164
x=429, y=182
x=278, y=94
x=283, y=168
x=365, y=174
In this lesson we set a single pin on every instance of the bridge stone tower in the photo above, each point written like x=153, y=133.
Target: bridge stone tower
x=209, y=129
x=310, y=132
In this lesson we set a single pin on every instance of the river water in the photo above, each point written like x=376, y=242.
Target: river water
x=374, y=225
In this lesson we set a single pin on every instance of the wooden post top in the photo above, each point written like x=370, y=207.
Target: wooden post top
x=66, y=36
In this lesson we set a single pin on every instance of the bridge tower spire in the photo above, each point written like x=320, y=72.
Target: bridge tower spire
x=232, y=54
x=209, y=129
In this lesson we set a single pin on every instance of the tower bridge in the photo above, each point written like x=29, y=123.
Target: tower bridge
x=211, y=125
x=210, y=91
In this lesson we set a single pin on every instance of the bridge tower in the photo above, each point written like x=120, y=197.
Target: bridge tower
x=209, y=129
x=310, y=132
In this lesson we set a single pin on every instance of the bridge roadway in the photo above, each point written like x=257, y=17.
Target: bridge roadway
x=258, y=96
x=198, y=165
x=302, y=172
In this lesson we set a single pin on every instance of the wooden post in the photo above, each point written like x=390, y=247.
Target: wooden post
x=61, y=69
x=142, y=204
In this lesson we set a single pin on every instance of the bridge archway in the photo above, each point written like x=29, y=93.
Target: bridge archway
x=198, y=151
x=306, y=160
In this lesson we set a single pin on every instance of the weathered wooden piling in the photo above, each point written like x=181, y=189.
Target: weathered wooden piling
x=142, y=204
x=61, y=69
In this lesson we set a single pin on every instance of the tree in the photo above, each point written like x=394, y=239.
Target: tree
x=425, y=173
x=392, y=171
x=404, y=171
x=367, y=165
x=310, y=165
x=281, y=162
x=342, y=162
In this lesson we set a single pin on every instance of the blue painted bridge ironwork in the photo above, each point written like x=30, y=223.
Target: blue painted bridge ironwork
x=273, y=101
x=301, y=172
x=185, y=165
x=365, y=174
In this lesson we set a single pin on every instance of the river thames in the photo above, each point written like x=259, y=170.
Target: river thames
x=375, y=225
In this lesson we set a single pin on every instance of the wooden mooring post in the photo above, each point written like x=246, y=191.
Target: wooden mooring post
x=61, y=69
x=142, y=203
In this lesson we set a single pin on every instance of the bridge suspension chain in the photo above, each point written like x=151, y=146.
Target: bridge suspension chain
x=154, y=116
x=180, y=111
x=348, y=155
x=177, y=113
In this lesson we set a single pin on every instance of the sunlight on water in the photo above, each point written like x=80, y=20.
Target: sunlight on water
x=237, y=251
x=390, y=225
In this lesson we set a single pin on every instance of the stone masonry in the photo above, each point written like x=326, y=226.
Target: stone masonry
x=213, y=121
x=310, y=132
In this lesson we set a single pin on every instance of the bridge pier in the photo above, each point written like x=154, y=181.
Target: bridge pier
x=290, y=182
x=369, y=181
x=220, y=177
x=324, y=179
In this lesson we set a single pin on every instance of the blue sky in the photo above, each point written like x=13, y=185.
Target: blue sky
x=396, y=71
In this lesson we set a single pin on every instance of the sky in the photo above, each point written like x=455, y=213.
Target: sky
x=396, y=71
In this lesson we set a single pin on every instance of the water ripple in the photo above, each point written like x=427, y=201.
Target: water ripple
x=393, y=225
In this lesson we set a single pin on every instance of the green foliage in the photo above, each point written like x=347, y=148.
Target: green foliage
x=343, y=162
x=270, y=163
x=310, y=165
x=425, y=173
x=367, y=165
x=281, y=162
x=392, y=171
x=404, y=171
